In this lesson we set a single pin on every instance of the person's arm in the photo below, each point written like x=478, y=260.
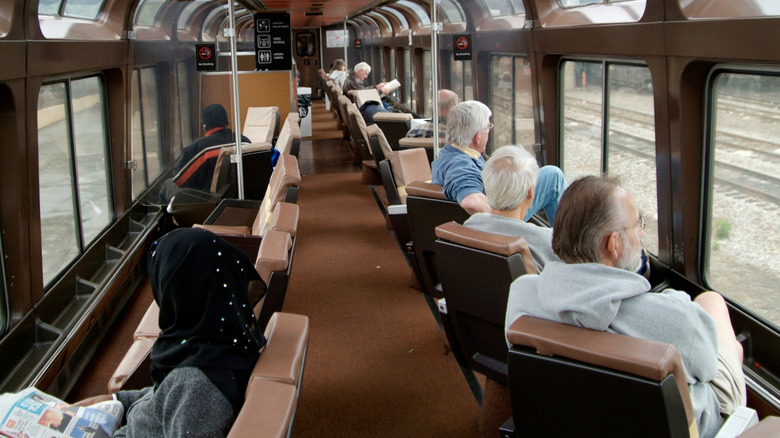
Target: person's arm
x=475, y=203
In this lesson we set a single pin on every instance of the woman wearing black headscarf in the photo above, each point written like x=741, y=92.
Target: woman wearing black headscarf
x=209, y=339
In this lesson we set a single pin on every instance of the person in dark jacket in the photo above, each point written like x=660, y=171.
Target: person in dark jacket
x=209, y=339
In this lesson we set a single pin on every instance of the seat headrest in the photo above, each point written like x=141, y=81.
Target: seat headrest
x=642, y=357
x=491, y=242
x=409, y=165
x=425, y=190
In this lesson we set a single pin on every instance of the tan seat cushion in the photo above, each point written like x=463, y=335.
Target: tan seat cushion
x=284, y=353
x=268, y=411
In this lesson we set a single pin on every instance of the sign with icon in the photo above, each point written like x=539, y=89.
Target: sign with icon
x=273, y=41
x=461, y=47
x=205, y=57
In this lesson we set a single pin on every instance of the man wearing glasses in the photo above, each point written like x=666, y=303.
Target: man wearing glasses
x=597, y=235
x=459, y=165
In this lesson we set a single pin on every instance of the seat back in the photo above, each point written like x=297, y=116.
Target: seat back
x=199, y=168
x=476, y=268
x=259, y=166
x=426, y=143
x=289, y=137
x=394, y=125
x=362, y=96
x=401, y=168
x=261, y=123
x=273, y=264
x=564, y=380
x=285, y=176
x=426, y=209
x=377, y=143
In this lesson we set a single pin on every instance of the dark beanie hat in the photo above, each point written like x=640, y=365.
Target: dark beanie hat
x=215, y=115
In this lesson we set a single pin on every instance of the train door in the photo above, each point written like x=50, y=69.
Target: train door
x=307, y=56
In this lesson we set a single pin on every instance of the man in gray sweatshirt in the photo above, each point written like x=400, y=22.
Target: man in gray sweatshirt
x=597, y=234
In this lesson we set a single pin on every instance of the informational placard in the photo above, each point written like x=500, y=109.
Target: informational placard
x=335, y=38
x=273, y=41
x=205, y=57
x=461, y=47
x=358, y=43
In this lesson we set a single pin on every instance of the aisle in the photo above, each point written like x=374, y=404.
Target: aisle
x=376, y=365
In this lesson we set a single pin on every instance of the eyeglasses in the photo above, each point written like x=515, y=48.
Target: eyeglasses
x=490, y=127
x=641, y=223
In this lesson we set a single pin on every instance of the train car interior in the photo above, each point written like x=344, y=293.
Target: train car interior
x=107, y=147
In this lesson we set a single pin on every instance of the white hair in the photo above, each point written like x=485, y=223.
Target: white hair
x=362, y=66
x=508, y=176
x=465, y=120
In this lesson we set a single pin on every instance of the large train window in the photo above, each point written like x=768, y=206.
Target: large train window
x=146, y=12
x=742, y=243
x=511, y=102
x=427, y=83
x=608, y=126
x=184, y=111
x=86, y=9
x=146, y=133
x=501, y=8
x=74, y=167
x=460, y=79
x=409, y=97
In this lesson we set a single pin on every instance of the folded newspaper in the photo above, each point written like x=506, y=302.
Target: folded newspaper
x=34, y=414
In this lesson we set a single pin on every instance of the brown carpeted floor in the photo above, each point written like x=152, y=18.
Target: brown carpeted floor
x=376, y=365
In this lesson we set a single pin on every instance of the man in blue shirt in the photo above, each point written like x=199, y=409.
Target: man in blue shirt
x=459, y=165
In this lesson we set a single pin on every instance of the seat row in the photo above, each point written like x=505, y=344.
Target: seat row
x=612, y=384
x=266, y=231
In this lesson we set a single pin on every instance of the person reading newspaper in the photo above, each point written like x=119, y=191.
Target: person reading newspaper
x=208, y=344
x=34, y=414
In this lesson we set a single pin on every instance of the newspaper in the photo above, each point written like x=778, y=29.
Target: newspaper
x=34, y=414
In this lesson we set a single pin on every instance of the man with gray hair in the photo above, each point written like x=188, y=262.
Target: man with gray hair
x=356, y=79
x=597, y=235
x=509, y=178
x=459, y=165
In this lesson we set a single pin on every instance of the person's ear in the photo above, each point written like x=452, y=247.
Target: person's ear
x=611, y=246
x=530, y=194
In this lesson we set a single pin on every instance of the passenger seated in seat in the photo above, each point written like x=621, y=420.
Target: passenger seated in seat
x=459, y=165
x=369, y=108
x=208, y=344
x=356, y=79
x=215, y=121
x=338, y=72
x=597, y=235
x=447, y=100
x=509, y=178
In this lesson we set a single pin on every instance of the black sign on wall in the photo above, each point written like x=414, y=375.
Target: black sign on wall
x=205, y=57
x=273, y=41
x=461, y=47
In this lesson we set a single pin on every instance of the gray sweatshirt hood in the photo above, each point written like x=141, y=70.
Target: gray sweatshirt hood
x=590, y=300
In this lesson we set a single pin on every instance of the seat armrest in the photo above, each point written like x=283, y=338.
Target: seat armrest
x=284, y=353
x=495, y=243
x=268, y=410
x=134, y=371
x=149, y=326
x=425, y=190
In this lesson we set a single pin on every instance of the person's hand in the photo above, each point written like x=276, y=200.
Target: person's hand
x=94, y=400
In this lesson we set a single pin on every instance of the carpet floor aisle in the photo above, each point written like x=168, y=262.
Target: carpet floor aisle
x=376, y=365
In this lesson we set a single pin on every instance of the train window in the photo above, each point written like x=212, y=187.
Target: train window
x=501, y=8
x=87, y=9
x=753, y=8
x=743, y=191
x=418, y=10
x=146, y=13
x=452, y=11
x=73, y=168
x=574, y=3
x=609, y=127
x=460, y=79
x=398, y=15
x=427, y=84
x=184, y=112
x=511, y=102
x=146, y=133
x=409, y=97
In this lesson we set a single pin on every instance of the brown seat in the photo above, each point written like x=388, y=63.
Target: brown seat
x=273, y=263
x=425, y=143
x=394, y=125
x=476, y=268
x=289, y=140
x=274, y=387
x=426, y=209
x=613, y=384
x=261, y=124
